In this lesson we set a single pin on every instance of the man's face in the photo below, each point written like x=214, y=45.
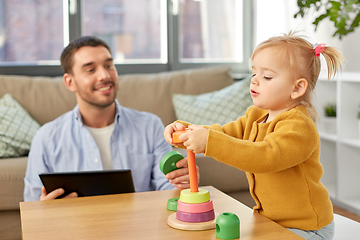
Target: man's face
x=94, y=76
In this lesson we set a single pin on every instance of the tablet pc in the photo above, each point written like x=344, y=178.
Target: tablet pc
x=89, y=183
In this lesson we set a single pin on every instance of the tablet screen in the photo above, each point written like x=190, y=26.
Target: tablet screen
x=89, y=183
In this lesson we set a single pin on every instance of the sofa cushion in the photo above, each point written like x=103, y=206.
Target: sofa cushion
x=152, y=92
x=221, y=106
x=45, y=98
x=12, y=182
x=10, y=225
x=17, y=128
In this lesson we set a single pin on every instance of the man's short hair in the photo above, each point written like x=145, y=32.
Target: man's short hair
x=67, y=55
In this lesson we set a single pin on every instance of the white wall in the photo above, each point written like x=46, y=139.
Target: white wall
x=274, y=17
x=351, y=50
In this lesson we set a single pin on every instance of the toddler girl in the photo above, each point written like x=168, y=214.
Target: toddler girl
x=277, y=143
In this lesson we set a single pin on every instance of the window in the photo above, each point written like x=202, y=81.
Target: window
x=210, y=31
x=30, y=31
x=144, y=35
x=132, y=28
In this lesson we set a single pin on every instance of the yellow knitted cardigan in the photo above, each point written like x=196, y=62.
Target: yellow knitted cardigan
x=281, y=161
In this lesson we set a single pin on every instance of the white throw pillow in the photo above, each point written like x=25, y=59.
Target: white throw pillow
x=17, y=128
x=222, y=106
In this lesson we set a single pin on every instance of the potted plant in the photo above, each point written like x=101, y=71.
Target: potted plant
x=329, y=121
x=330, y=110
x=345, y=14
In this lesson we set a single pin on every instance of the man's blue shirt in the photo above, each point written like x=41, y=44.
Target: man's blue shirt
x=65, y=145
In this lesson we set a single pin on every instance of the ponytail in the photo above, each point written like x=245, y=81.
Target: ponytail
x=334, y=59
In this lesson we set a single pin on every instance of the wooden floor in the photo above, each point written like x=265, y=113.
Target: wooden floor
x=347, y=214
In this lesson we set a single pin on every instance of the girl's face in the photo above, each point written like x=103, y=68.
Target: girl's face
x=273, y=81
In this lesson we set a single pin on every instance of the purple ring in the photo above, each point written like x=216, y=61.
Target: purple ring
x=195, y=217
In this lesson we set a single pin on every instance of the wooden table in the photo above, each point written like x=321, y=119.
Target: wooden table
x=134, y=216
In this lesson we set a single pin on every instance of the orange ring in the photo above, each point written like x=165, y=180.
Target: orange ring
x=177, y=134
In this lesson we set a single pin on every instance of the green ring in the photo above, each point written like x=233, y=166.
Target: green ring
x=194, y=197
x=172, y=204
x=169, y=160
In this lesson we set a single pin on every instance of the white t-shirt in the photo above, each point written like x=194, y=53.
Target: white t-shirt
x=102, y=138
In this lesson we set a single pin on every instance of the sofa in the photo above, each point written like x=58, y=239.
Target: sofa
x=46, y=98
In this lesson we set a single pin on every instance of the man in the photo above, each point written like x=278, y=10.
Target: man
x=99, y=133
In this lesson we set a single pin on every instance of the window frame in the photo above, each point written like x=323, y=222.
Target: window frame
x=74, y=22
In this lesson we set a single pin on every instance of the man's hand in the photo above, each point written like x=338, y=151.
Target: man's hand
x=54, y=194
x=180, y=177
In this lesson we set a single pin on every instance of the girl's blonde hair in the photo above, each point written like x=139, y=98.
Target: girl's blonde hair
x=300, y=55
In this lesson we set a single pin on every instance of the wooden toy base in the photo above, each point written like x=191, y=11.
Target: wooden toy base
x=175, y=223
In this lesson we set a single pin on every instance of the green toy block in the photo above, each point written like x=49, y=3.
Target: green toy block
x=169, y=160
x=172, y=204
x=227, y=226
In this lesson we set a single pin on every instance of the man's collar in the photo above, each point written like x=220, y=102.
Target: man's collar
x=78, y=116
x=117, y=112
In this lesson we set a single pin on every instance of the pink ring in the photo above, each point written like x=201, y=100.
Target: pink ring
x=195, y=217
x=195, y=207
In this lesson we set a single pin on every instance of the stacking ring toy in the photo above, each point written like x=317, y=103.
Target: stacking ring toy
x=195, y=208
x=169, y=160
x=191, y=161
x=195, y=217
x=172, y=204
x=186, y=196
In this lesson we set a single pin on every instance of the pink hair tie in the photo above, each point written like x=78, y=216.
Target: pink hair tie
x=318, y=48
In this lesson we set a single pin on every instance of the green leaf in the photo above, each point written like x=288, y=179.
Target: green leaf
x=356, y=21
x=349, y=7
x=333, y=10
x=333, y=16
x=343, y=13
x=335, y=5
x=318, y=19
x=353, y=1
x=301, y=12
x=342, y=24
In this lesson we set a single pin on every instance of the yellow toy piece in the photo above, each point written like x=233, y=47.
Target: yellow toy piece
x=186, y=196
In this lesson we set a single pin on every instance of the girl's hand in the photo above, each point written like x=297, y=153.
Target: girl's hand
x=196, y=139
x=170, y=129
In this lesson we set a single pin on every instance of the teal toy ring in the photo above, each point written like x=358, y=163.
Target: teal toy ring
x=172, y=204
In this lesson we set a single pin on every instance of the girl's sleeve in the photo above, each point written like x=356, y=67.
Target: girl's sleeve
x=292, y=142
x=234, y=128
